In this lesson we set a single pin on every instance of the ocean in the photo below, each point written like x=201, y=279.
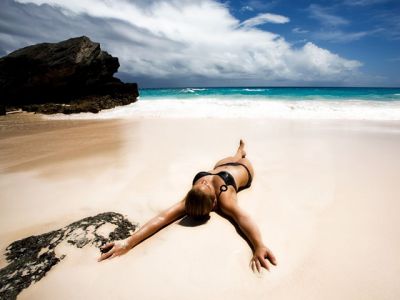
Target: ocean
x=262, y=102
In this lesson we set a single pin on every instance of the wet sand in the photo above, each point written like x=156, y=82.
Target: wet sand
x=325, y=195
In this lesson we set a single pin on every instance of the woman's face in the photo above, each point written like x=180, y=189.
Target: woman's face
x=207, y=188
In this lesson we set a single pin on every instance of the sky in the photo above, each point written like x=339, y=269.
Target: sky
x=182, y=43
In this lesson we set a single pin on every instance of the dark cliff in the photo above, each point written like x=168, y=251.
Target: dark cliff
x=70, y=76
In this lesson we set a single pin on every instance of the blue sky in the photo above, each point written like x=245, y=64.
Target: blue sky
x=223, y=43
x=365, y=30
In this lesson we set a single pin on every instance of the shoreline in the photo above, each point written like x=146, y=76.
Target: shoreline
x=210, y=107
x=324, y=196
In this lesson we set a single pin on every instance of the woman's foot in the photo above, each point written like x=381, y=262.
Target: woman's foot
x=241, y=149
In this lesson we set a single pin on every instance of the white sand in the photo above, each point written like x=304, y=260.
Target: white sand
x=325, y=196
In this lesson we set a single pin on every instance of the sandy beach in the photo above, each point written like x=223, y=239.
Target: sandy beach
x=325, y=196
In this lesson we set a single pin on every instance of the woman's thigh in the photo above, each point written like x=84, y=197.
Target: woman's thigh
x=248, y=164
x=226, y=160
x=231, y=159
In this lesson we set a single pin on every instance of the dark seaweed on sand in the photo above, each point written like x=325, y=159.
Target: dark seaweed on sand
x=32, y=257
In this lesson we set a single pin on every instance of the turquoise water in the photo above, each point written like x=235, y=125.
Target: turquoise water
x=274, y=93
x=379, y=104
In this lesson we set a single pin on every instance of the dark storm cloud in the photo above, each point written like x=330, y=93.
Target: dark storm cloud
x=26, y=24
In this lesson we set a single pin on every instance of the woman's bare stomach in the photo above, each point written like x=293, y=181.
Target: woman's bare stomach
x=238, y=172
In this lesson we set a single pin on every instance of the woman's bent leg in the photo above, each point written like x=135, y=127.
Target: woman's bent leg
x=240, y=154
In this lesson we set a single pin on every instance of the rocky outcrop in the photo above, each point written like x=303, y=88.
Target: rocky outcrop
x=31, y=258
x=74, y=76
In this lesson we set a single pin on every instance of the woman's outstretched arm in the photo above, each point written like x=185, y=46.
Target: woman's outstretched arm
x=155, y=224
x=261, y=253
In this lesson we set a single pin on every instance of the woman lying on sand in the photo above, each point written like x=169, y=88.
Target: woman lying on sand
x=214, y=190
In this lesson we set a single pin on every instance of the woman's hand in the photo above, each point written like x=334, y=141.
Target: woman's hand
x=262, y=256
x=115, y=249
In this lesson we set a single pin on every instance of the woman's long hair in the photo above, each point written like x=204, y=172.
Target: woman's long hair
x=198, y=204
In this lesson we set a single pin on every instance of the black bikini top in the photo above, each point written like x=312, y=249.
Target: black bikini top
x=226, y=177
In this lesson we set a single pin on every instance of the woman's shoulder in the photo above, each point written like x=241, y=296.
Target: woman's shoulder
x=227, y=203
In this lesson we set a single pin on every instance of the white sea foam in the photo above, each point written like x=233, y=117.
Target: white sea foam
x=187, y=90
x=256, y=90
x=192, y=90
x=207, y=107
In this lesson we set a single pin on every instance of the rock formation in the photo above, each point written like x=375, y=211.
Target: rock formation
x=71, y=76
x=31, y=258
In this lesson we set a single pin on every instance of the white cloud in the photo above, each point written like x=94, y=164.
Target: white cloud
x=246, y=8
x=325, y=16
x=394, y=59
x=299, y=30
x=265, y=18
x=339, y=36
x=330, y=24
x=199, y=38
x=321, y=62
x=262, y=4
x=363, y=2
